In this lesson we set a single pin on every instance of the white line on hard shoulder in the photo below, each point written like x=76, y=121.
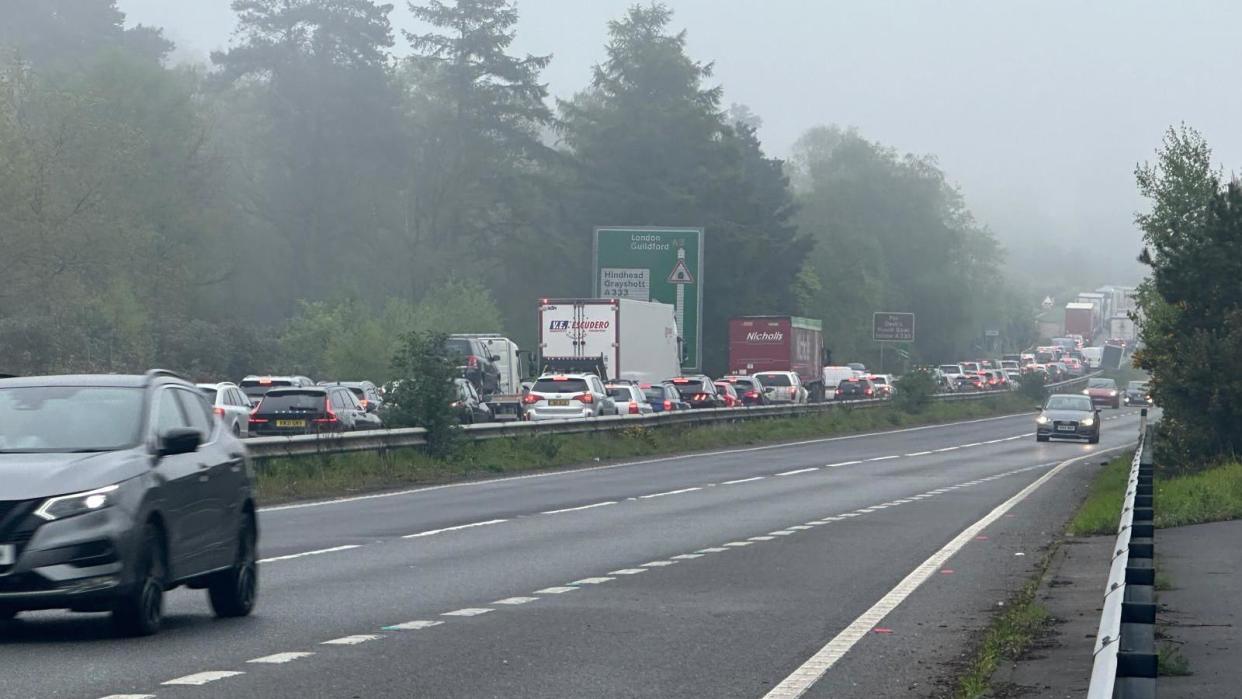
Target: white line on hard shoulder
x=589, y=469
x=919, y=453
x=797, y=471
x=459, y=527
x=352, y=640
x=744, y=480
x=671, y=492
x=797, y=683
x=281, y=658
x=304, y=554
x=199, y=679
x=885, y=458
x=580, y=508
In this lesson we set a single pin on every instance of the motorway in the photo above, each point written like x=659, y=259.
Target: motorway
x=766, y=571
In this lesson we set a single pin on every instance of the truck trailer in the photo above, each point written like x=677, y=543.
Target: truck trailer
x=635, y=340
x=1080, y=319
x=779, y=343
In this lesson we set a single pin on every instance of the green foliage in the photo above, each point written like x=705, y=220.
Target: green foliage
x=1031, y=387
x=1099, y=512
x=915, y=390
x=1192, y=331
x=423, y=391
x=1209, y=495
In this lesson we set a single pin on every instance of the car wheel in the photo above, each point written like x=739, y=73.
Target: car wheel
x=237, y=430
x=141, y=611
x=1094, y=440
x=233, y=592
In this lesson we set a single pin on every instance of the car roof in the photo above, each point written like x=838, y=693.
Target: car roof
x=282, y=390
x=103, y=380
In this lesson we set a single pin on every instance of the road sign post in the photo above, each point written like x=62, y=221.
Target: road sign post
x=656, y=264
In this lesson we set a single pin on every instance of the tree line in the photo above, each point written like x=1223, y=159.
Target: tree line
x=309, y=197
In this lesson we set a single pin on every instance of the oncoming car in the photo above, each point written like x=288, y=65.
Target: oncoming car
x=1067, y=415
x=1103, y=392
x=117, y=489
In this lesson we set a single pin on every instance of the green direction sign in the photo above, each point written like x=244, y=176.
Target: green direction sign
x=656, y=264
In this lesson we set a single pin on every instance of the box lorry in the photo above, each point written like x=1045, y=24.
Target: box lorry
x=1080, y=319
x=633, y=340
x=779, y=343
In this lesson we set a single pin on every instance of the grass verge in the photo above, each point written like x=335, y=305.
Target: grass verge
x=1211, y=495
x=286, y=479
x=1008, y=636
x=1170, y=661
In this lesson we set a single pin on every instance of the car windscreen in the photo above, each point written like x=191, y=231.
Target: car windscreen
x=1101, y=383
x=1137, y=386
x=69, y=418
x=770, y=380
x=293, y=401
x=560, y=386
x=257, y=388
x=654, y=394
x=743, y=385
x=619, y=392
x=879, y=381
x=950, y=368
x=209, y=393
x=458, y=347
x=1069, y=403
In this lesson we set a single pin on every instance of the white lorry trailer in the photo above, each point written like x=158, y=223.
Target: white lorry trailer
x=636, y=340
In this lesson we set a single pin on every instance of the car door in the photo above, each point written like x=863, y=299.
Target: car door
x=182, y=478
x=218, y=487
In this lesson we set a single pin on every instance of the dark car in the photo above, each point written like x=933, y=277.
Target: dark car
x=748, y=389
x=369, y=397
x=1137, y=393
x=255, y=387
x=308, y=410
x=663, y=397
x=468, y=406
x=477, y=363
x=698, y=391
x=1067, y=415
x=116, y=489
x=855, y=389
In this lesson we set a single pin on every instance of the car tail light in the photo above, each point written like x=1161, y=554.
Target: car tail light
x=699, y=397
x=840, y=392
x=867, y=392
x=363, y=403
x=585, y=398
x=531, y=399
x=633, y=408
x=254, y=420
x=218, y=410
x=472, y=362
x=327, y=407
x=793, y=391
x=752, y=394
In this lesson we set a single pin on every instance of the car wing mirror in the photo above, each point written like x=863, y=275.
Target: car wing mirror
x=179, y=440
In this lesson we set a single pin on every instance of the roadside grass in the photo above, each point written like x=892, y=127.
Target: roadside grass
x=1170, y=662
x=1211, y=495
x=295, y=478
x=1009, y=635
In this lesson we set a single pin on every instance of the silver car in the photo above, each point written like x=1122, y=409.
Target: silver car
x=629, y=399
x=568, y=397
x=231, y=405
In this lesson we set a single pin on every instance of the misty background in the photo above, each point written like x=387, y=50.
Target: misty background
x=1039, y=111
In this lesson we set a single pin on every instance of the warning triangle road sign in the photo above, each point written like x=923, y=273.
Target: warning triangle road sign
x=680, y=274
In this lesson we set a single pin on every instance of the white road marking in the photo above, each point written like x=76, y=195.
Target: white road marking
x=468, y=611
x=994, y=441
x=833, y=519
x=352, y=640
x=797, y=471
x=578, y=509
x=761, y=538
x=842, y=463
x=885, y=458
x=797, y=683
x=878, y=507
x=415, y=625
x=129, y=696
x=848, y=514
x=686, y=556
x=591, y=581
x=744, y=480
x=783, y=532
x=304, y=554
x=513, y=601
x=919, y=453
x=938, y=451
x=713, y=549
x=865, y=510
x=800, y=527
x=280, y=658
x=628, y=571
x=738, y=544
x=459, y=527
x=559, y=590
x=659, y=564
x=671, y=492
x=972, y=444
x=201, y=678
x=662, y=459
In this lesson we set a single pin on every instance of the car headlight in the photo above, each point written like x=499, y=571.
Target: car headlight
x=1088, y=422
x=1042, y=420
x=76, y=504
x=1086, y=392
x=1112, y=393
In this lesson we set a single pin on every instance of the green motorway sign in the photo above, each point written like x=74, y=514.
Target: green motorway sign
x=656, y=264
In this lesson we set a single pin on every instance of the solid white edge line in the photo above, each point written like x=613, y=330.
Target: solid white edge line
x=304, y=554
x=459, y=527
x=579, y=509
x=662, y=459
x=803, y=678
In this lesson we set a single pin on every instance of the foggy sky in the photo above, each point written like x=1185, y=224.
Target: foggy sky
x=1038, y=110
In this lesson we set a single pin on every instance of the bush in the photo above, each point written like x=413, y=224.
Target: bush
x=915, y=390
x=1033, y=388
x=423, y=393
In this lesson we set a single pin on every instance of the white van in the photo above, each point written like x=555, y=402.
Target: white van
x=1093, y=356
x=834, y=375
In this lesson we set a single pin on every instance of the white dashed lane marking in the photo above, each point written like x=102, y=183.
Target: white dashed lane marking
x=579, y=509
x=797, y=471
x=885, y=458
x=744, y=480
x=559, y=590
x=591, y=581
x=940, y=451
x=514, y=601
x=671, y=492
x=713, y=549
x=469, y=611
x=629, y=571
x=129, y=696
x=304, y=554
x=686, y=556
x=919, y=453
x=352, y=640
x=199, y=679
x=659, y=564
x=459, y=527
x=843, y=463
x=280, y=658
x=415, y=625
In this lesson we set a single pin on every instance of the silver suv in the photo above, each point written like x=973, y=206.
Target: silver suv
x=567, y=397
